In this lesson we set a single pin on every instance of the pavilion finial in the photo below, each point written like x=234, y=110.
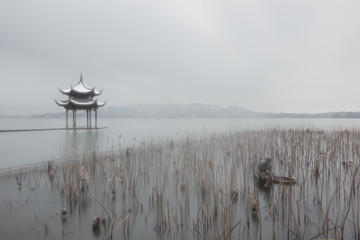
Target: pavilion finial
x=81, y=78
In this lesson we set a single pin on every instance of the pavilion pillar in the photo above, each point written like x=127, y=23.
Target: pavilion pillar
x=66, y=118
x=87, y=117
x=95, y=118
x=90, y=117
x=74, y=118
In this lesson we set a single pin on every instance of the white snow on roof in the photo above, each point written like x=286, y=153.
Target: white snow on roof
x=65, y=91
x=100, y=104
x=62, y=103
x=80, y=87
x=97, y=92
x=82, y=103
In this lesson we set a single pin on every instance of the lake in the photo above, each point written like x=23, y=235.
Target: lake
x=23, y=148
x=181, y=179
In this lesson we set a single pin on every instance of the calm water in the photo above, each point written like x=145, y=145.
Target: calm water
x=22, y=148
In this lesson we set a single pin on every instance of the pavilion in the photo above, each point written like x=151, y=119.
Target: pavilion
x=80, y=97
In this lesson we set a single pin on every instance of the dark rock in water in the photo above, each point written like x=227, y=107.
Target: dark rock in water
x=63, y=215
x=96, y=224
x=103, y=222
x=63, y=211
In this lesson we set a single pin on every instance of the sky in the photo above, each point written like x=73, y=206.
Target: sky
x=298, y=56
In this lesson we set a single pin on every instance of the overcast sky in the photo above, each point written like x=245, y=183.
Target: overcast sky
x=278, y=56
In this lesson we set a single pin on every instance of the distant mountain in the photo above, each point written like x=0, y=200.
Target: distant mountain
x=315, y=115
x=195, y=110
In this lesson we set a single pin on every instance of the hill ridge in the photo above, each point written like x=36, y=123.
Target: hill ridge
x=196, y=110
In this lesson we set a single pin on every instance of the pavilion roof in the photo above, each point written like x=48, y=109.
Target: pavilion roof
x=79, y=104
x=81, y=88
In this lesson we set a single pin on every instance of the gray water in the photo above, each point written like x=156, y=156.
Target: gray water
x=23, y=148
x=31, y=201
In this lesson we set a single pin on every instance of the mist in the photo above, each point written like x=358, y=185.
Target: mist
x=278, y=56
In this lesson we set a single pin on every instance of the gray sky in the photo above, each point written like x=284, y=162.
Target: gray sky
x=278, y=56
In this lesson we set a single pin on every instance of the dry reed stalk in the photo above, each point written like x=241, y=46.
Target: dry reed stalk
x=117, y=227
x=349, y=203
x=216, y=170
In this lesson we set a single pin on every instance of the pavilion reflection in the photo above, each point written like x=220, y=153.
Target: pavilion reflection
x=78, y=142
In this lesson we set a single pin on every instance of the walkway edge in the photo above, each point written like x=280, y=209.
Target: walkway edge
x=49, y=129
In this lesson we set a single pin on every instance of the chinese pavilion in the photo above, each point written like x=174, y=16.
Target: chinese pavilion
x=81, y=97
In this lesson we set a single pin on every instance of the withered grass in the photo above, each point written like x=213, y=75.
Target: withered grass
x=203, y=187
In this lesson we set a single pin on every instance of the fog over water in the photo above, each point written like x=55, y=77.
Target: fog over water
x=21, y=148
x=268, y=56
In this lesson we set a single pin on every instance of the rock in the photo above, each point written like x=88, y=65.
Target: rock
x=96, y=224
x=63, y=211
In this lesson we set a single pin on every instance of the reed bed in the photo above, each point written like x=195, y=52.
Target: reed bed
x=203, y=187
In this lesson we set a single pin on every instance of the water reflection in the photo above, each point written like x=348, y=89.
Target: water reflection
x=22, y=148
x=78, y=142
